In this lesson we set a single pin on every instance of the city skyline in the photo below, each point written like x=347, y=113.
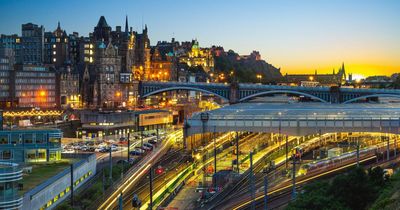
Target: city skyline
x=297, y=37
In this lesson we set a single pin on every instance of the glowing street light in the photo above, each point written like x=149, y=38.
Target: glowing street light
x=259, y=77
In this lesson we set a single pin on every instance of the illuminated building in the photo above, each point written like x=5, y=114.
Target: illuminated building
x=6, y=94
x=198, y=57
x=161, y=66
x=10, y=176
x=101, y=123
x=107, y=89
x=56, y=47
x=142, y=55
x=30, y=145
x=87, y=50
x=36, y=86
x=69, y=89
x=333, y=79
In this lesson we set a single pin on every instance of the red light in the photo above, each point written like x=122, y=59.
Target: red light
x=159, y=170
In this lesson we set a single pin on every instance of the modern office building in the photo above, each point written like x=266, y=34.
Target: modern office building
x=30, y=145
x=5, y=92
x=10, y=175
x=99, y=124
x=32, y=50
x=10, y=47
x=36, y=86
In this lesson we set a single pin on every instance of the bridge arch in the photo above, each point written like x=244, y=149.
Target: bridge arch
x=183, y=88
x=282, y=91
x=372, y=95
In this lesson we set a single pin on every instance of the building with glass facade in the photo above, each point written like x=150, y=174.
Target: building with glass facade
x=34, y=145
x=10, y=175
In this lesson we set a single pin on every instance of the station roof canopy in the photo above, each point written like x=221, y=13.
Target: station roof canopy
x=305, y=111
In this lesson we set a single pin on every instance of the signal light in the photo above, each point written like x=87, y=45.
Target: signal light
x=159, y=170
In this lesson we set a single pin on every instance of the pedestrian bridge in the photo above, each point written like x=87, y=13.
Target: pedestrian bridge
x=297, y=119
x=240, y=92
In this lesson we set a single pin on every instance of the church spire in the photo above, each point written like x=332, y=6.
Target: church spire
x=58, y=25
x=126, y=24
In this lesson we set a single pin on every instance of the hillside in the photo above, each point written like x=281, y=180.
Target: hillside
x=246, y=68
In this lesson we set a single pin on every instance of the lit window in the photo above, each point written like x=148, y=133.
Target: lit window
x=54, y=46
x=54, y=52
x=54, y=59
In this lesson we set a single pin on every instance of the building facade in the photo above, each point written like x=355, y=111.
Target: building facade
x=56, y=47
x=334, y=79
x=30, y=145
x=36, y=86
x=32, y=51
x=70, y=96
x=10, y=176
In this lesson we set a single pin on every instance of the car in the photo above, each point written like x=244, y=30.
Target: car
x=122, y=161
x=135, y=153
x=148, y=145
x=105, y=149
x=123, y=139
x=147, y=148
x=152, y=141
x=114, y=148
x=140, y=150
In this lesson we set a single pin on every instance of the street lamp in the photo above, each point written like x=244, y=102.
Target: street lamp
x=259, y=77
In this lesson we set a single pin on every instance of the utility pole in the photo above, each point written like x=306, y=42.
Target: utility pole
x=151, y=188
x=215, y=154
x=72, y=185
x=158, y=135
x=266, y=191
x=129, y=145
x=141, y=137
x=120, y=202
x=104, y=182
x=237, y=152
x=294, y=177
x=395, y=146
x=286, y=150
x=358, y=153
x=252, y=193
x=388, y=147
x=110, y=165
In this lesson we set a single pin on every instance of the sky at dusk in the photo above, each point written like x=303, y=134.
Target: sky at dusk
x=299, y=36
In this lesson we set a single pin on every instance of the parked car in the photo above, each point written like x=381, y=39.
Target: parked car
x=114, y=148
x=147, y=148
x=152, y=141
x=122, y=161
x=148, y=145
x=135, y=153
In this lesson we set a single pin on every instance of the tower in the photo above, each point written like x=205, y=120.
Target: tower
x=102, y=31
x=126, y=25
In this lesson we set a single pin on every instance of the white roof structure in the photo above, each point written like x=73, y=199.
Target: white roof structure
x=298, y=118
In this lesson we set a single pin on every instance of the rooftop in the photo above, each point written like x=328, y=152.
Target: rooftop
x=306, y=111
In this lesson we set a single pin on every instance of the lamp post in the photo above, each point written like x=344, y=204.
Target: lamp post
x=259, y=77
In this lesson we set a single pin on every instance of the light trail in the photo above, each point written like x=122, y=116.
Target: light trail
x=303, y=181
x=111, y=200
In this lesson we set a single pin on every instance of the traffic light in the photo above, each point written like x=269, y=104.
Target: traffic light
x=159, y=170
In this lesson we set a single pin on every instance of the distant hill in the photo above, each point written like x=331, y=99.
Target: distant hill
x=246, y=67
